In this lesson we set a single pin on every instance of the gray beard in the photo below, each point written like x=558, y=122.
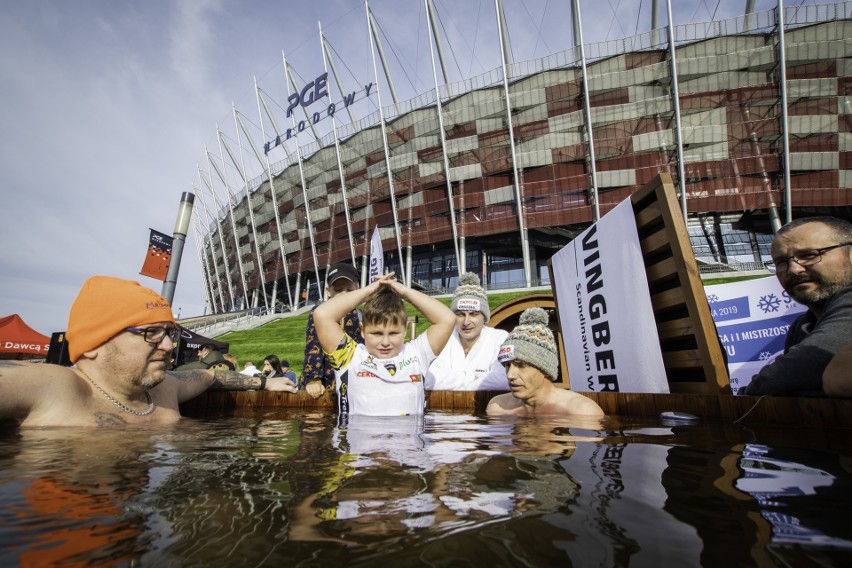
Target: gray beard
x=817, y=298
x=148, y=382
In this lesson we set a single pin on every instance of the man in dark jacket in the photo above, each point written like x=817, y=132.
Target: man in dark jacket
x=813, y=261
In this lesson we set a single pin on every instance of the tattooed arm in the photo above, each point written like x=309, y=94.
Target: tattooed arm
x=233, y=380
x=196, y=381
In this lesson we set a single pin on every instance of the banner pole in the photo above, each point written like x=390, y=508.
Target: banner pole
x=181, y=228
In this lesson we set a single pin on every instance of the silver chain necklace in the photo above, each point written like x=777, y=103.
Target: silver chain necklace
x=123, y=407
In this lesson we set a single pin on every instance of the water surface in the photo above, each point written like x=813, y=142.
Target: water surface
x=291, y=488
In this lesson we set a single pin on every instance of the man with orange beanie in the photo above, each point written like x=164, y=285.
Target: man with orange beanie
x=120, y=337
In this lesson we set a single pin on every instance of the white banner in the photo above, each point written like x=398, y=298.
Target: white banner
x=608, y=325
x=377, y=256
x=752, y=318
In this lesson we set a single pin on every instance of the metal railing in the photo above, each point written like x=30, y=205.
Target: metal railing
x=725, y=267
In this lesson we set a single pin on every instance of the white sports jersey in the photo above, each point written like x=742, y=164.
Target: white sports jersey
x=371, y=386
x=478, y=370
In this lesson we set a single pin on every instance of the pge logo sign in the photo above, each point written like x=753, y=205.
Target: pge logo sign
x=311, y=93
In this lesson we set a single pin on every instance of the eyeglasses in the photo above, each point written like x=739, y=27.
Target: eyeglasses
x=156, y=334
x=804, y=258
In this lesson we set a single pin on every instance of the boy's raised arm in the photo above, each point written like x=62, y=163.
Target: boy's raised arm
x=328, y=314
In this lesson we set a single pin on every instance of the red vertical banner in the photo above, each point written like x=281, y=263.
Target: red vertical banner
x=159, y=255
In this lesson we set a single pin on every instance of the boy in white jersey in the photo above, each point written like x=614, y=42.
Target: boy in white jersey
x=384, y=376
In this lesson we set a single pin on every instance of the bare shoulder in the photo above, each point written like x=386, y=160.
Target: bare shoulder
x=34, y=373
x=576, y=403
x=504, y=404
x=39, y=391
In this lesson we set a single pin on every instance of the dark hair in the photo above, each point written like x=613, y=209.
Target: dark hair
x=841, y=227
x=276, y=364
x=384, y=306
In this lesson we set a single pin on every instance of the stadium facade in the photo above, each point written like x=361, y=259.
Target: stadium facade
x=522, y=181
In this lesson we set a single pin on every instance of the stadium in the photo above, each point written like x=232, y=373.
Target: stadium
x=501, y=170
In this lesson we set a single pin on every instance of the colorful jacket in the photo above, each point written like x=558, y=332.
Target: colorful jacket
x=316, y=366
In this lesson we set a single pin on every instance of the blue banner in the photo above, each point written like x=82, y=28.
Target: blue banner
x=752, y=319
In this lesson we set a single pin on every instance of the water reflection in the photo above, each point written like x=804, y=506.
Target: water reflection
x=799, y=501
x=271, y=488
x=65, y=497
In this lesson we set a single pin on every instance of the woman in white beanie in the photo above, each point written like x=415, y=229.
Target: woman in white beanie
x=469, y=361
x=531, y=360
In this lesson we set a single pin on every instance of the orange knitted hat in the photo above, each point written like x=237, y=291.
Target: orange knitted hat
x=106, y=306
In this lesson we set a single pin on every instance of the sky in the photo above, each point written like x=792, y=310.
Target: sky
x=106, y=107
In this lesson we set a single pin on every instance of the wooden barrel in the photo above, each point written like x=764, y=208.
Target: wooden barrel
x=823, y=413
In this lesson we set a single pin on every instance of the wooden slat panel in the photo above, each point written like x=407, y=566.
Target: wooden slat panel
x=655, y=243
x=662, y=270
x=668, y=299
x=675, y=328
x=648, y=216
x=687, y=358
x=713, y=360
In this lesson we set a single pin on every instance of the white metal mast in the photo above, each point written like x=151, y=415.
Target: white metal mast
x=785, y=121
x=264, y=162
x=525, y=251
x=241, y=168
x=304, y=185
x=219, y=231
x=681, y=174
x=461, y=260
x=374, y=28
x=431, y=17
x=337, y=153
x=223, y=178
x=208, y=282
x=370, y=31
x=200, y=194
x=587, y=110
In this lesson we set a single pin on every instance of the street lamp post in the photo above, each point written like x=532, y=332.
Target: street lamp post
x=181, y=228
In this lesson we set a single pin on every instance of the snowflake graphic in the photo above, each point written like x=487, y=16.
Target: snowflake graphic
x=769, y=303
x=765, y=356
x=712, y=298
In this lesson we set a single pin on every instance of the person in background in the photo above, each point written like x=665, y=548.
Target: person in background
x=469, y=361
x=287, y=371
x=208, y=358
x=531, y=359
x=232, y=360
x=250, y=370
x=813, y=263
x=272, y=367
x=121, y=337
x=317, y=373
x=384, y=376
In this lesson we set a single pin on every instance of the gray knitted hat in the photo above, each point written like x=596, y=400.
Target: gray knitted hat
x=470, y=296
x=532, y=342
